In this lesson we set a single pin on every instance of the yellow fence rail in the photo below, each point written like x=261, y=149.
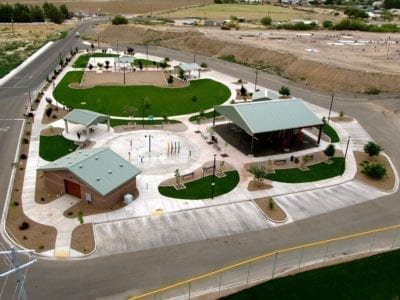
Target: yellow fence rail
x=278, y=262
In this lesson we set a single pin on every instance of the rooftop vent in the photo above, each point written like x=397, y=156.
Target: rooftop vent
x=121, y=165
x=80, y=166
x=96, y=158
x=98, y=178
x=109, y=172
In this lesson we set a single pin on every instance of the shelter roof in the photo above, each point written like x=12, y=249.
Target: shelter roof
x=85, y=117
x=102, y=169
x=268, y=116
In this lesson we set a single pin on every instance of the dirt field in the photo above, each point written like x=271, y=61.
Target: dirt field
x=342, y=61
x=251, y=12
x=121, y=6
x=131, y=78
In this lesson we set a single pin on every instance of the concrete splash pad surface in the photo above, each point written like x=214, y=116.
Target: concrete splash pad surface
x=169, y=151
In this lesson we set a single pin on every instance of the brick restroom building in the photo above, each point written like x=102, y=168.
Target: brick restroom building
x=98, y=176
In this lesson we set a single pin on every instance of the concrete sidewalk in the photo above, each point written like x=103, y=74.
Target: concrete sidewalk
x=153, y=220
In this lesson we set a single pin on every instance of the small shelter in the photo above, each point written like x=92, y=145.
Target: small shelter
x=87, y=118
x=271, y=120
x=98, y=176
x=188, y=68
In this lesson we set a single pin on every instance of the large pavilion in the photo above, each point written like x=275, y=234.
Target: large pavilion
x=274, y=122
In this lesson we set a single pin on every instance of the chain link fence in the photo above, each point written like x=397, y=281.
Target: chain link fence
x=247, y=273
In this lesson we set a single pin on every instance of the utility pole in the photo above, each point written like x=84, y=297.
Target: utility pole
x=98, y=41
x=16, y=267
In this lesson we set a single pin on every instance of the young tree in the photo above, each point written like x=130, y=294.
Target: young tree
x=284, y=90
x=258, y=173
x=130, y=50
x=266, y=21
x=178, y=177
x=372, y=149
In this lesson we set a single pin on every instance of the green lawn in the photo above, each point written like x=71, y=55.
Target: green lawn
x=208, y=115
x=375, y=277
x=201, y=188
x=329, y=131
x=83, y=60
x=113, y=100
x=317, y=172
x=54, y=147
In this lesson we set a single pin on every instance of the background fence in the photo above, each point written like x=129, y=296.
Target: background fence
x=270, y=265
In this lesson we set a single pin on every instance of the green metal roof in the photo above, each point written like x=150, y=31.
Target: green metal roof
x=268, y=116
x=189, y=67
x=85, y=117
x=101, y=169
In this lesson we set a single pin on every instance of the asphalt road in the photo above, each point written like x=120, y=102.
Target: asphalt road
x=114, y=275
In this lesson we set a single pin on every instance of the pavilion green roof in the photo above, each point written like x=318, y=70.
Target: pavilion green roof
x=269, y=116
x=85, y=117
x=102, y=169
x=188, y=67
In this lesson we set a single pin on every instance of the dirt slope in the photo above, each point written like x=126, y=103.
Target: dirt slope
x=319, y=75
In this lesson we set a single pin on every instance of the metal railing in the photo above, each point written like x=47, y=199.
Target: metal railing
x=277, y=263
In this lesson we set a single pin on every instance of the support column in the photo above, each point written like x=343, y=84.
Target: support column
x=108, y=124
x=252, y=144
x=320, y=133
x=66, y=126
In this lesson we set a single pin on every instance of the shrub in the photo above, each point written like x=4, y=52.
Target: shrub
x=266, y=21
x=243, y=91
x=170, y=79
x=24, y=226
x=23, y=156
x=327, y=24
x=26, y=141
x=372, y=149
x=204, y=65
x=90, y=66
x=330, y=150
x=373, y=91
x=284, y=90
x=118, y=20
x=80, y=217
x=271, y=203
x=374, y=170
x=49, y=111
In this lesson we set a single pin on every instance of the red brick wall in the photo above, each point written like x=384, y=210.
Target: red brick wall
x=54, y=180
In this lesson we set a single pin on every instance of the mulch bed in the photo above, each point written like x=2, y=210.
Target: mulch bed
x=82, y=239
x=56, y=114
x=275, y=214
x=342, y=119
x=52, y=131
x=385, y=184
x=255, y=185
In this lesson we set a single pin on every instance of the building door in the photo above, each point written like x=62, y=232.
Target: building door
x=72, y=188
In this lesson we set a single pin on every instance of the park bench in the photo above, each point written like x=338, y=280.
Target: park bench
x=191, y=174
x=280, y=162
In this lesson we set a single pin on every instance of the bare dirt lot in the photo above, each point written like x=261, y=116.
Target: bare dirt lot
x=343, y=61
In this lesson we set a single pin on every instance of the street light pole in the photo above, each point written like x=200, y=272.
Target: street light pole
x=255, y=82
x=149, y=136
x=345, y=153
x=330, y=107
x=30, y=99
x=213, y=179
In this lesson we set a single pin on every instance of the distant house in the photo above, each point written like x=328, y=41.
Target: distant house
x=188, y=68
x=98, y=176
x=191, y=22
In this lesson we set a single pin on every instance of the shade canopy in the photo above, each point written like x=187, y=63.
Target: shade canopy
x=85, y=117
x=269, y=116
